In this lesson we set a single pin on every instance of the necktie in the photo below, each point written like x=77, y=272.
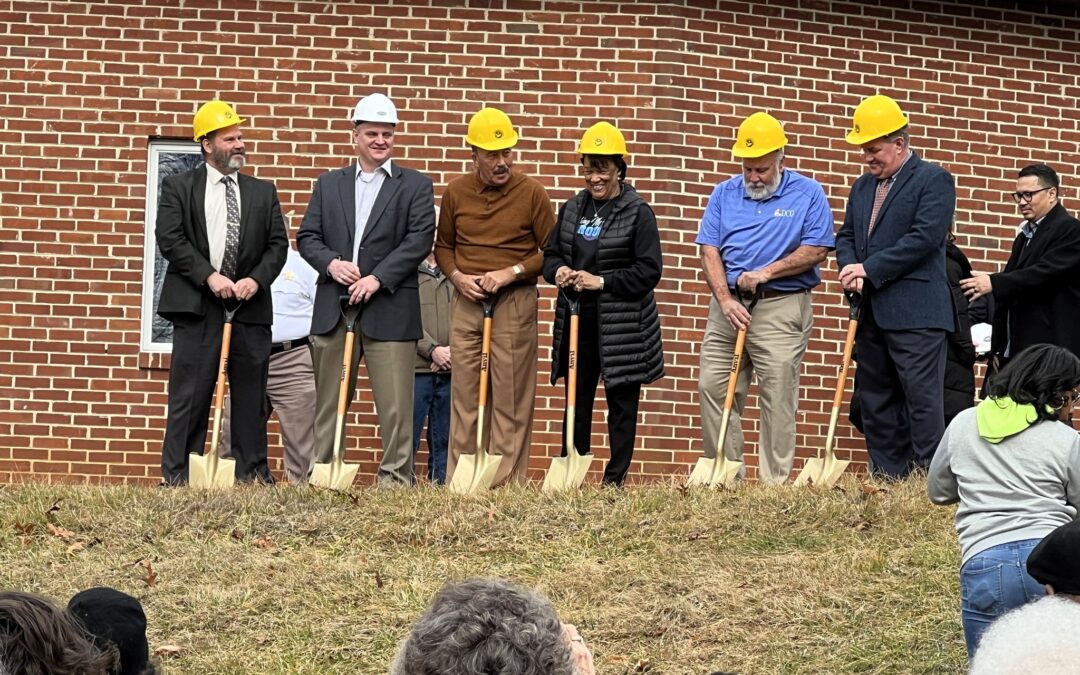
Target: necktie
x=880, y=193
x=232, y=228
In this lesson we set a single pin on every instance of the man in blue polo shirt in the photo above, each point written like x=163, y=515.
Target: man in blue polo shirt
x=764, y=232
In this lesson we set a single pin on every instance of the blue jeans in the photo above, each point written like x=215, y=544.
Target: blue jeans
x=431, y=402
x=993, y=582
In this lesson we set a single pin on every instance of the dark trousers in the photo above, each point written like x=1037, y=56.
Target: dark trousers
x=431, y=402
x=899, y=381
x=192, y=376
x=622, y=401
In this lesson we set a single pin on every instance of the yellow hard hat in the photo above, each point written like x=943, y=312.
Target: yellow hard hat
x=875, y=117
x=214, y=115
x=602, y=138
x=490, y=129
x=758, y=135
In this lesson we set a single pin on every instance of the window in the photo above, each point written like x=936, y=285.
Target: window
x=167, y=157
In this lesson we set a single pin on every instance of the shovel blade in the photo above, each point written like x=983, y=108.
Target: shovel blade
x=811, y=473
x=556, y=477
x=579, y=467
x=474, y=473
x=831, y=470
x=336, y=476
x=211, y=472
x=714, y=472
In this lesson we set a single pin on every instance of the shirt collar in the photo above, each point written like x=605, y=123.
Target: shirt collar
x=213, y=175
x=892, y=178
x=1029, y=227
x=385, y=167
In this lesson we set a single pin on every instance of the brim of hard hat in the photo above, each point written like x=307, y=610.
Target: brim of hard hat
x=862, y=139
x=753, y=154
x=238, y=122
x=500, y=144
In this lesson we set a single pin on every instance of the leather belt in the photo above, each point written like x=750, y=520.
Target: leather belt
x=768, y=293
x=285, y=346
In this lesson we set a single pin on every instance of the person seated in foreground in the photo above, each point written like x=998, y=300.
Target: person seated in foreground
x=1055, y=562
x=37, y=638
x=483, y=626
x=114, y=620
x=1038, y=639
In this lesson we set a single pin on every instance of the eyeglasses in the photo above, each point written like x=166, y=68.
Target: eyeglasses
x=1021, y=197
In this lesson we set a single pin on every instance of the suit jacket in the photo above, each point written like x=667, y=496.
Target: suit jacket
x=904, y=257
x=397, y=237
x=181, y=236
x=1038, y=292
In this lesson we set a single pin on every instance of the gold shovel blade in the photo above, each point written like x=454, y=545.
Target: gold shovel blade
x=209, y=471
x=811, y=472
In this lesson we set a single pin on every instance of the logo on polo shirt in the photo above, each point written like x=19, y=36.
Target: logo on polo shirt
x=784, y=213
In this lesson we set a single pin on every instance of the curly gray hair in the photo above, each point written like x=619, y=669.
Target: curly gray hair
x=485, y=627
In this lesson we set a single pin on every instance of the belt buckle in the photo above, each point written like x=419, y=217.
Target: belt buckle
x=286, y=345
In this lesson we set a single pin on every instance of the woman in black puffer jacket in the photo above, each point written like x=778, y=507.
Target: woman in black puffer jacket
x=605, y=249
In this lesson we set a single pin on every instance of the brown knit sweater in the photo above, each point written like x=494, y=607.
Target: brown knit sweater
x=483, y=228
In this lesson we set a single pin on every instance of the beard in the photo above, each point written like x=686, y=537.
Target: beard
x=233, y=162
x=763, y=192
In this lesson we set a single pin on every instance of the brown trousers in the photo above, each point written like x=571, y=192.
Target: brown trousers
x=512, y=380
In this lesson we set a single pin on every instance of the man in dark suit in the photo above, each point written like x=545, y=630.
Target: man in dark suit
x=365, y=231
x=1038, y=292
x=225, y=240
x=891, y=248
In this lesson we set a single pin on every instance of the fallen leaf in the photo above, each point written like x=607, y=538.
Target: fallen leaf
x=151, y=576
x=75, y=548
x=262, y=639
x=167, y=651
x=491, y=515
x=871, y=489
x=60, y=532
x=263, y=543
x=24, y=530
x=697, y=534
x=378, y=580
x=237, y=534
x=683, y=489
x=643, y=666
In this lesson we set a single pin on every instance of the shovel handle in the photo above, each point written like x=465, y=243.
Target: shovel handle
x=736, y=363
x=219, y=387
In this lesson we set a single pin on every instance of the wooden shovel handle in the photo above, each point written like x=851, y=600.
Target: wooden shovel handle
x=849, y=344
x=219, y=388
x=733, y=377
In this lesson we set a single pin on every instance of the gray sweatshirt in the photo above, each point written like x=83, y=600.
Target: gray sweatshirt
x=1021, y=488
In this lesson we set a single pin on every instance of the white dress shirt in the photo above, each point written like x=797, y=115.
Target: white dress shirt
x=215, y=212
x=293, y=293
x=367, y=189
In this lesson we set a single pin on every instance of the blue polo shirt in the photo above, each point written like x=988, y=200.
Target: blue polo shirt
x=752, y=234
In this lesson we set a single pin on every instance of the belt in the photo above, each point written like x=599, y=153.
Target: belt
x=285, y=346
x=768, y=293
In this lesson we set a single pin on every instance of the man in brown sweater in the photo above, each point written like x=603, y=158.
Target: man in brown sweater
x=493, y=224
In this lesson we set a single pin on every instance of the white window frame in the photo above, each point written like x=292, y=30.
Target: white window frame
x=156, y=148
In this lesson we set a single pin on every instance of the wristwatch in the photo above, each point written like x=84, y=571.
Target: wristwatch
x=518, y=271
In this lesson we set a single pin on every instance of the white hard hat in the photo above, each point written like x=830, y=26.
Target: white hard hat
x=375, y=108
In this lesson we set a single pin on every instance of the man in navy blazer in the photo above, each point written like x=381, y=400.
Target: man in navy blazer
x=1040, y=285
x=891, y=248
x=365, y=231
x=213, y=260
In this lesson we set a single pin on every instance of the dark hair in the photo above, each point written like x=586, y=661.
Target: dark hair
x=1041, y=375
x=1048, y=178
x=597, y=160
x=37, y=638
x=902, y=132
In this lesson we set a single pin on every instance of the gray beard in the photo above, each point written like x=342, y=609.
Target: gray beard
x=762, y=193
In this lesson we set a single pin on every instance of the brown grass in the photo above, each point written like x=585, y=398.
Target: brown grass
x=659, y=579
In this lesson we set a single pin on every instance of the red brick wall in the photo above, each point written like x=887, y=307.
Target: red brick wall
x=86, y=84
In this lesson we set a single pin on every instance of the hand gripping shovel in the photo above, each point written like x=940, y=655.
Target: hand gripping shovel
x=720, y=471
x=567, y=473
x=337, y=474
x=474, y=473
x=208, y=470
x=826, y=470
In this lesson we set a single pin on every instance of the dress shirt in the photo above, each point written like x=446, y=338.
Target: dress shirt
x=215, y=212
x=294, y=298
x=367, y=189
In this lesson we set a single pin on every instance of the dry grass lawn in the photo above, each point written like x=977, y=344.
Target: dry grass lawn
x=659, y=579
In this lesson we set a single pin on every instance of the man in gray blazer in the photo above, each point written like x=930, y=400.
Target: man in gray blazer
x=891, y=248
x=365, y=231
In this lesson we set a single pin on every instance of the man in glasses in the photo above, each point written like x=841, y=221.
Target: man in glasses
x=1038, y=292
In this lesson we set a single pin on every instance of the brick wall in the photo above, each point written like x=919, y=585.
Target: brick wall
x=989, y=87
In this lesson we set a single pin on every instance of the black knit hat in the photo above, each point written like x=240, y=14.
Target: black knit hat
x=112, y=617
x=1056, y=560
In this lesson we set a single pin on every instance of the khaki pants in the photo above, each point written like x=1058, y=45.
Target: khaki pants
x=775, y=344
x=512, y=380
x=390, y=371
x=290, y=392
